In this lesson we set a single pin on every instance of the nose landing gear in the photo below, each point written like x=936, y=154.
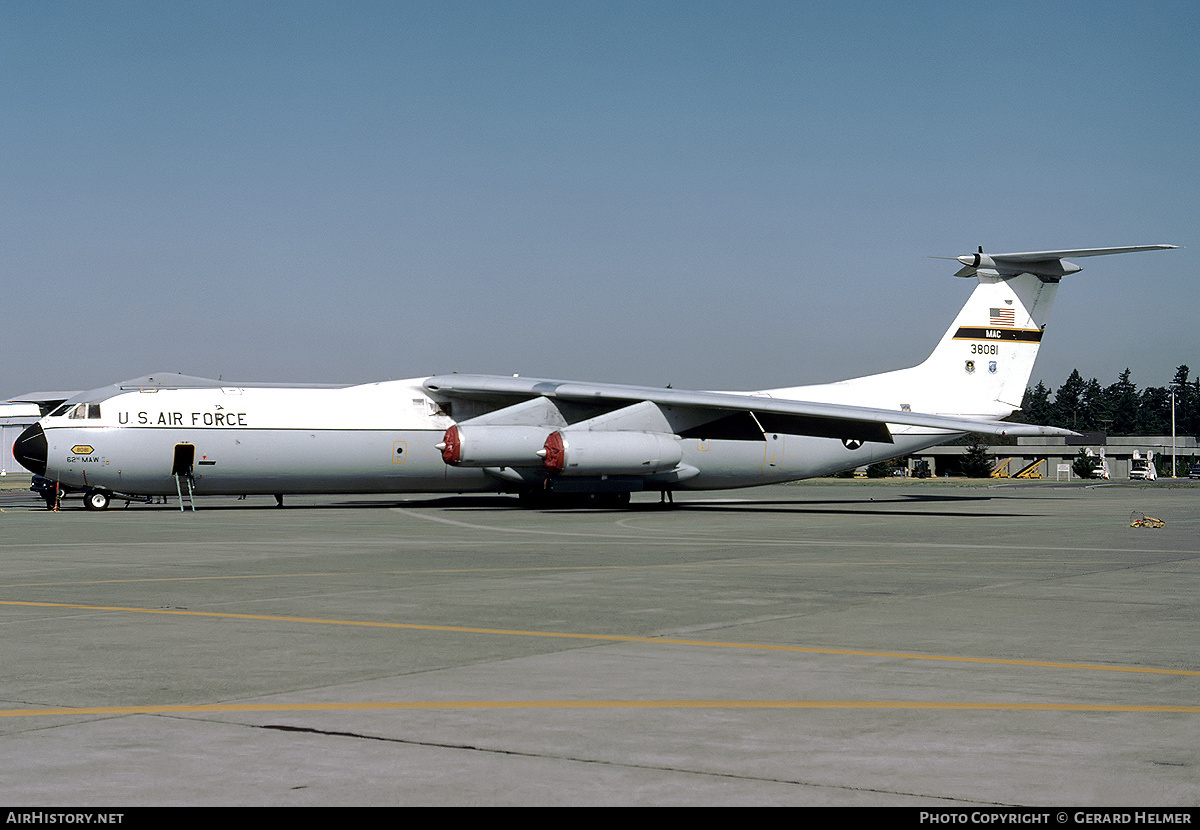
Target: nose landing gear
x=96, y=500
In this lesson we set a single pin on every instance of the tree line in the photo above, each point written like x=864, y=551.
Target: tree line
x=1119, y=409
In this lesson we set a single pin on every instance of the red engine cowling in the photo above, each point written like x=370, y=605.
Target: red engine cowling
x=586, y=453
x=492, y=446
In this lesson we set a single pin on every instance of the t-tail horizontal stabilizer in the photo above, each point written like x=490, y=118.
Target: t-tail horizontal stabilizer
x=1049, y=265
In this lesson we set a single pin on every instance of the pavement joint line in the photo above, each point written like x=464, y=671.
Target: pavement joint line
x=700, y=537
x=215, y=708
x=697, y=538
x=615, y=638
x=528, y=569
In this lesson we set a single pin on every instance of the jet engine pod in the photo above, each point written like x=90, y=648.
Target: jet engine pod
x=586, y=453
x=492, y=446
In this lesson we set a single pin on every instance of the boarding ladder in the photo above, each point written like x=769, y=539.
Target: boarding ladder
x=180, y=478
x=181, y=469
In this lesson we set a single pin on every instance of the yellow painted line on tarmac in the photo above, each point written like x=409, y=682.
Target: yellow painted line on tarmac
x=595, y=704
x=613, y=638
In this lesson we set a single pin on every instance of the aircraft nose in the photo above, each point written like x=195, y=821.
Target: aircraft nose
x=30, y=450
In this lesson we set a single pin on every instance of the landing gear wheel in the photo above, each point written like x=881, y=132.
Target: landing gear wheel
x=96, y=500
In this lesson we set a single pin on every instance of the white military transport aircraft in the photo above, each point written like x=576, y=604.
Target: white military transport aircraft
x=170, y=434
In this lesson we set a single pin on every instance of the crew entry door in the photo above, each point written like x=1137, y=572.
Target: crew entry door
x=185, y=459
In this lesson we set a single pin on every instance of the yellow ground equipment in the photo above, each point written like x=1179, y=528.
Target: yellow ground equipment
x=1028, y=471
x=1031, y=470
x=1142, y=520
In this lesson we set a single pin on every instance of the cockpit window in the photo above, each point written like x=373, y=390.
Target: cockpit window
x=80, y=411
x=62, y=410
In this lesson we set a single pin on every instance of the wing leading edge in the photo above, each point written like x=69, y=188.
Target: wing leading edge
x=794, y=417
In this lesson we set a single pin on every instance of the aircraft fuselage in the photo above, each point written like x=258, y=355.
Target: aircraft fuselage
x=378, y=438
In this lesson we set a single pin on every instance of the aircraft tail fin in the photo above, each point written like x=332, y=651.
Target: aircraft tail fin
x=985, y=359
x=982, y=364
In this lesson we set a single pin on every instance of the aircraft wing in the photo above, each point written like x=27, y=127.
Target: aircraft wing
x=823, y=420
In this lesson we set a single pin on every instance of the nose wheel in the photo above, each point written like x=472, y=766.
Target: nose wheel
x=96, y=500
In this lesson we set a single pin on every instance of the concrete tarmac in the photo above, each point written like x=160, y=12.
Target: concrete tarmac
x=903, y=643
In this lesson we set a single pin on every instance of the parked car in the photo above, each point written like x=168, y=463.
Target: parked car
x=1194, y=472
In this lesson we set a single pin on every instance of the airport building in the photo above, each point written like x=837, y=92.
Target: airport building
x=1052, y=457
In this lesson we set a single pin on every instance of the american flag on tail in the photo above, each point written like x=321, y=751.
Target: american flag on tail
x=1003, y=317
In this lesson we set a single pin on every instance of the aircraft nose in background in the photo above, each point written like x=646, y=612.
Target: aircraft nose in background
x=30, y=450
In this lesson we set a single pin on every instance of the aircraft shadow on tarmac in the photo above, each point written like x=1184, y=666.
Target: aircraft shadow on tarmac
x=910, y=506
x=878, y=506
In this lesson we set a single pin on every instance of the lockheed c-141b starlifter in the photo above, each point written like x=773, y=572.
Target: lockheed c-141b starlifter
x=170, y=434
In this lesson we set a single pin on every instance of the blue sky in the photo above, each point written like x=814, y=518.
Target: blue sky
x=712, y=195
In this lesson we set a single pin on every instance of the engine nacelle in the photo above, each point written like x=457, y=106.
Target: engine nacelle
x=586, y=453
x=492, y=446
